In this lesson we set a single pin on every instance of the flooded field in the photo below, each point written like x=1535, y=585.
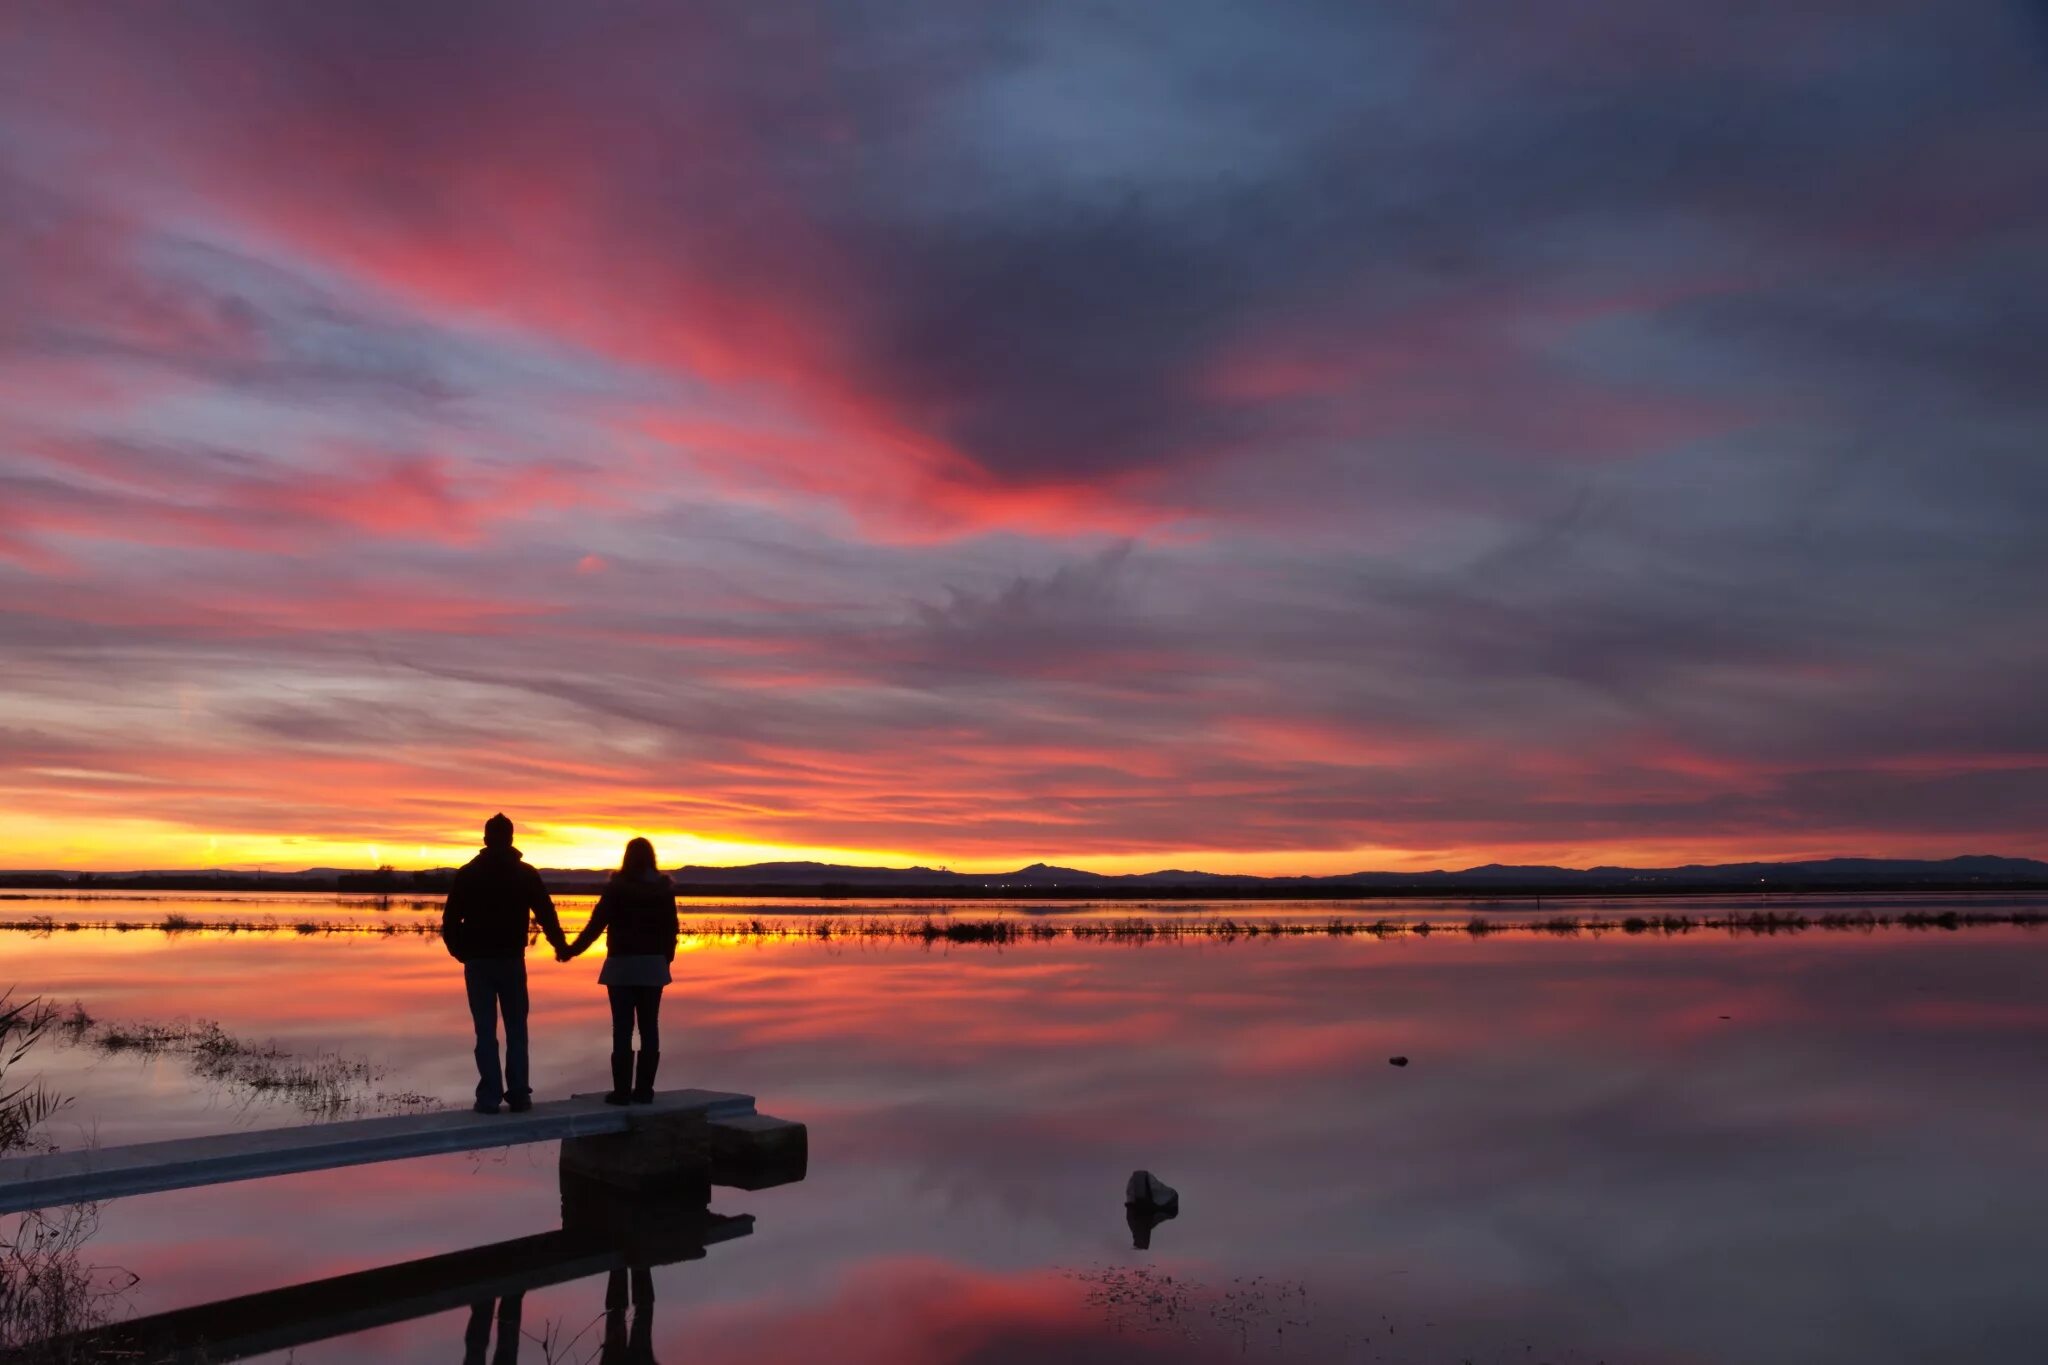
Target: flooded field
x=43, y=913
x=1695, y=1146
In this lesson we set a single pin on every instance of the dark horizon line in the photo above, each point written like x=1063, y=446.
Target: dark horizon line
x=1968, y=872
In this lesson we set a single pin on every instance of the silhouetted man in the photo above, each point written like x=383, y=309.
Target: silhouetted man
x=484, y=925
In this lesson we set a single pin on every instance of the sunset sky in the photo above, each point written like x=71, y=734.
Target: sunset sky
x=1256, y=436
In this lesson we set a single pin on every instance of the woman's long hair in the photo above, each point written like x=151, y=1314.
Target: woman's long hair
x=639, y=860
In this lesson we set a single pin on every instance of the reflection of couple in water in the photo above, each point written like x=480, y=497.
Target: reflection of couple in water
x=485, y=925
x=623, y=1345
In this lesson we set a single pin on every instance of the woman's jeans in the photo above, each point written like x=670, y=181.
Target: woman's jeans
x=628, y=1003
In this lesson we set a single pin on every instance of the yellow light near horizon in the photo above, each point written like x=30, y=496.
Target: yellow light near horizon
x=121, y=845
x=30, y=839
x=597, y=846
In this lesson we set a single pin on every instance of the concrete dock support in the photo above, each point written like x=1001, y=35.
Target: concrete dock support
x=664, y=1151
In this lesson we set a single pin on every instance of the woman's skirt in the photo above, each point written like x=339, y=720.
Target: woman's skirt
x=635, y=969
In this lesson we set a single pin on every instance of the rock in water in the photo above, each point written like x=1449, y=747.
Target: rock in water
x=1142, y=1220
x=1148, y=1191
x=1397, y=1061
x=1148, y=1202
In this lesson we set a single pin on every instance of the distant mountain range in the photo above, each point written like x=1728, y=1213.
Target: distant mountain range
x=1041, y=879
x=1828, y=871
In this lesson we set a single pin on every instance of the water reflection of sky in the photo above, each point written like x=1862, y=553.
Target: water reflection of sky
x=1585, y=1158
x=283, y=910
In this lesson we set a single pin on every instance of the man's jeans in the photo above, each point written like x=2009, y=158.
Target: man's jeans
x=498, y=985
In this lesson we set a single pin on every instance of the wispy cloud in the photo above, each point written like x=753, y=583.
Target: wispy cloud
x=1332, y=432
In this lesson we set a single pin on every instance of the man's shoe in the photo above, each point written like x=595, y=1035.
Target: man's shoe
x=483, y=1108
x=643, y=1082
x=520, y=1105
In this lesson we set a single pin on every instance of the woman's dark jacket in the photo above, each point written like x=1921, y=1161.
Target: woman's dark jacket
x=637, y=916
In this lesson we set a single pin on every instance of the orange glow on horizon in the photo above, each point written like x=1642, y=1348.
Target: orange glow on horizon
x=29, y=841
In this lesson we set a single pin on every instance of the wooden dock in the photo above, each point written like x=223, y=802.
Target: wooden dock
x=705, y=1125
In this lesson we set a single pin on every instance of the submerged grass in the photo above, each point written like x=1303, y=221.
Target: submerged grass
x=23, y=1107
x=324, y=1085
x=1011, y=929
x=50, y=1291
x=47, y=1287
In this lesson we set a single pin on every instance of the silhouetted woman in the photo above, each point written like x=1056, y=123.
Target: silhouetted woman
x=637, y=916
x=623, y=1346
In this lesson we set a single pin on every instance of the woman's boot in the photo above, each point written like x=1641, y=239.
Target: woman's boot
x=643, y=1083
x=622, y=1078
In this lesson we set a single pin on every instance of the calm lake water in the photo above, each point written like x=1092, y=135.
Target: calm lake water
x=1823, y=1147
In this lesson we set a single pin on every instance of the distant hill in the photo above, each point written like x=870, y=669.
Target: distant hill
x=1980, y=872
x=1824, y=872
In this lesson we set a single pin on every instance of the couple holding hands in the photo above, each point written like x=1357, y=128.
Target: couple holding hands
x=485, y=927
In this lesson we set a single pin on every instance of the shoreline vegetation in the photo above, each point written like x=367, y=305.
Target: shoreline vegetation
x=931, y=929
x=57, y=885
x=47, y=1288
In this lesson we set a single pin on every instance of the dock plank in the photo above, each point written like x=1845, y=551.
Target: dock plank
x=36, y=1182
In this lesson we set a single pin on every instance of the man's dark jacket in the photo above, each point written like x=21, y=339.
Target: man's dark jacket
x=637, y=915
x=485, y=916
